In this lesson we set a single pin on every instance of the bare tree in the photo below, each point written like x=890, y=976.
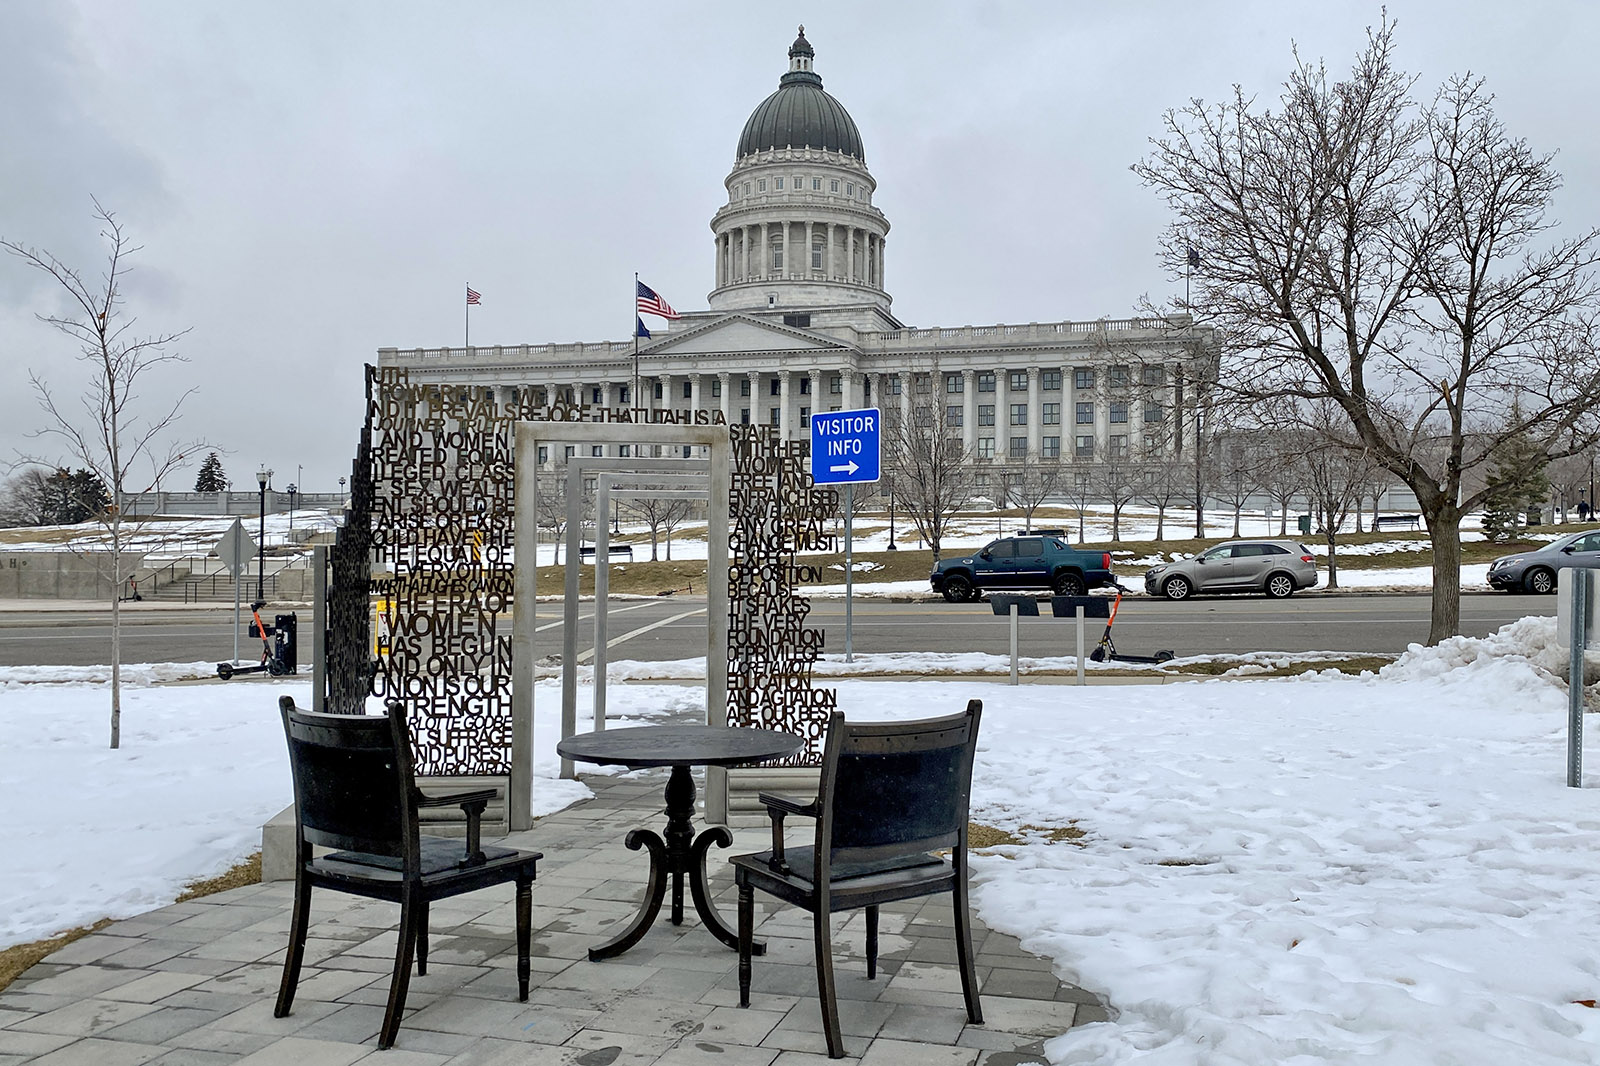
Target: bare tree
x=1337, y=474
x=1078, y=488
x=1030, y=485
x=1280, y=474
x=550, y=510
x=660, y=516
x=1236, y=465
x=1390, y=257
x=1164, y=480
x=1115, y=480
x=933, y=474
x=111, y=437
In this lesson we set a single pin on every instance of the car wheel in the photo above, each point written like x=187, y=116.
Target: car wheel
x=1176, y=588
x=957, y=590
x=1070, y=585
x=1280, y=586
x=1541, y=581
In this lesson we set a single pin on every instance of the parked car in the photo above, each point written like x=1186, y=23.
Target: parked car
x=1278, y=568
x=1535, y=571
x=1022, y=562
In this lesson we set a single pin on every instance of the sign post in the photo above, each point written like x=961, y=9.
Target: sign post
x=235, y=549
x=847, y=449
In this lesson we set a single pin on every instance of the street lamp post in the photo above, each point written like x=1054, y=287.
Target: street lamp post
x=291, y=507
x=341, y=492
x=891, y=516
x=263, y=476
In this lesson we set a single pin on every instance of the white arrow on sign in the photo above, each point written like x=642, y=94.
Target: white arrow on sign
x=849, y=468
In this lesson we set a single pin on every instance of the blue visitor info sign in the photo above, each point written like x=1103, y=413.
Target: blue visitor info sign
x=845, y=446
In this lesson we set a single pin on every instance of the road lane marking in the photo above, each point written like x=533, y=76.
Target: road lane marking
x=586, y=656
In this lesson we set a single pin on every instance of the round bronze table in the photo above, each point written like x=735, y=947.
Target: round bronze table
x=676, y=850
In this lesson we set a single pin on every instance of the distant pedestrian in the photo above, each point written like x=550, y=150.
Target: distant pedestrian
x=1583, y=510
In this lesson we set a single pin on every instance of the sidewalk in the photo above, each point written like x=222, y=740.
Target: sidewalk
x=193, y=984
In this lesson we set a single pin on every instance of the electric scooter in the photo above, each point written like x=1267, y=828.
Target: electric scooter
x=274, y=659
x=1107, y=650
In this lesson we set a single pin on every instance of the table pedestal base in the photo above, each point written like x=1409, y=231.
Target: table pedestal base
x=675, y=852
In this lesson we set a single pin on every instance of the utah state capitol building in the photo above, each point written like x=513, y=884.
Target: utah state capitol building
x=800, y=321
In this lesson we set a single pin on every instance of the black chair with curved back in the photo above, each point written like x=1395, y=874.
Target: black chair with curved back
x=354, y=790
x=890, y=795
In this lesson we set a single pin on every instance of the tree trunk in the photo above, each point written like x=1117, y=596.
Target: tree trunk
x=1333, y=558
x=1161, y=522
x=1236, y=513
x=116, y=631
x=1444, y=532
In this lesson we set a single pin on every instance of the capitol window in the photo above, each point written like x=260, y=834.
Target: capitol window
x=985, y=447
x=816, y=184
x=747, y=188
x=777, y=258
x=1153, y=375
x=1118, y=446
x=744, y=386
x=1052, y=414
x=1085, y=414
x=1085, y=448
x=835, y=385
x=1050, y=448
x=805, y=385
x=986, y=381
x=1083, y=378
x=833, y=186
x=850, y=189
x=716, y=388
x=799, y=183
x=688, y=390
x=1119, y=413
x=777, y=183
x=953, y=384
x=1119, y=377
x=1019, y=414
x=953, y=416
x=816, y=255
x=761, y=185
x=1051, y=380
x=1017, y=380
x=986, y=414
x=1019, y=447
x=744, y=416
x=1154, y=412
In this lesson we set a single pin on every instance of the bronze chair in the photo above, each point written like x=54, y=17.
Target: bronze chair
x=354, y=790
x=891, y=794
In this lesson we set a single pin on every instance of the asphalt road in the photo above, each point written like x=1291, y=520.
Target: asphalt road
x=675, y=629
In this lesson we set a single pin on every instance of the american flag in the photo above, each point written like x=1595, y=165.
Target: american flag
x=651, y=304
x=472, y=297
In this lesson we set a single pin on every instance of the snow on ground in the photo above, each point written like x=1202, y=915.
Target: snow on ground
x=1382, y=868
x=92, y=832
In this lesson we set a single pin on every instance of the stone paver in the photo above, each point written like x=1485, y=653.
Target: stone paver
x=193, y=984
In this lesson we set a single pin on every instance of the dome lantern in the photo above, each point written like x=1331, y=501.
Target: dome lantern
x=800, y=114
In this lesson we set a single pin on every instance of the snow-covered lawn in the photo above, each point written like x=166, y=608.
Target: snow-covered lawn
x=1320, y=870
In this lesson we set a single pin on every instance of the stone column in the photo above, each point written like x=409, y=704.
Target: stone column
x=788, y=263
x=850, y=255
x=908, y=384
x=817, y=394
x=785, y=426
x=754, y=399
x=881, y=284
x=849, y=398
x=969, y=409
x=832, y=262
x=694, y=393
x=1035, y=414
x=726, y=381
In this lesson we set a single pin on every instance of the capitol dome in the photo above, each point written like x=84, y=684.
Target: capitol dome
x=800, y=114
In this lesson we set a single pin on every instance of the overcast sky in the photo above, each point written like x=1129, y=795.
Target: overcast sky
x=313, y=181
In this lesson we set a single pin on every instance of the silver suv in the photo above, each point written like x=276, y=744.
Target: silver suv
x=1535, y=571
x=1275, y=567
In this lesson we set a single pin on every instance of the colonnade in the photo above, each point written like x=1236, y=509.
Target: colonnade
x=823, y=251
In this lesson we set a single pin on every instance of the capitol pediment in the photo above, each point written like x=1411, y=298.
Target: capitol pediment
x=738, y=333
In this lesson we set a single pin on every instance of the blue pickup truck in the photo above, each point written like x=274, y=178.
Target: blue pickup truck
x=1025, y=561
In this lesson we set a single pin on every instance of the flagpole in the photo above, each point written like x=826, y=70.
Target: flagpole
x=636, y=397
x=466, y=340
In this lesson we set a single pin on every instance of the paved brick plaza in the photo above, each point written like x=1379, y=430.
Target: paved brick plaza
x=193, y=984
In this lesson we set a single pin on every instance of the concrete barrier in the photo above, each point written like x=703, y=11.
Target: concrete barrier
x=61, y=575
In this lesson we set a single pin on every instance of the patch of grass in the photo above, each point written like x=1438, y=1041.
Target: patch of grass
x=988, y=836
x=247, y=872
x=15, y=960
x=1355, y=664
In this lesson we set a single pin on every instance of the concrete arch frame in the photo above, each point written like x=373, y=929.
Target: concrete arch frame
x=529, y=435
